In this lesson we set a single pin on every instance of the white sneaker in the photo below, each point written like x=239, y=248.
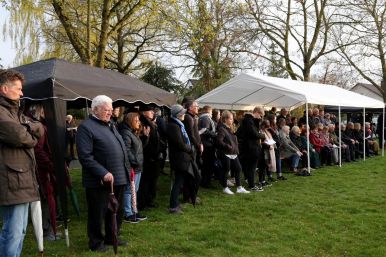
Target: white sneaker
x=228, y=191
x=241, y=190
x=229, y=183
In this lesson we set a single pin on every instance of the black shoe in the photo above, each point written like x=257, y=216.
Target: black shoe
x=281, y=178
x=266, y=184
x=256, y=189
x=140, y=217
x=272, y=180
x=131, y=219
x=120, y=243
x=101, y=249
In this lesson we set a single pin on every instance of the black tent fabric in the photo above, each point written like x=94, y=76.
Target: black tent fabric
x=55, y=83
x=57, y=78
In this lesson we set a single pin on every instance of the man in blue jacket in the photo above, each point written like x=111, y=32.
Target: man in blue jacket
x=103, y=156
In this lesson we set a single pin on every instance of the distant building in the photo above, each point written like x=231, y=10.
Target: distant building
x=368, y=90
x=191, y=83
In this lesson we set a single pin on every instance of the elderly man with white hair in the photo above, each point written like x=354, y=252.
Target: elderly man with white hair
x=104, y=161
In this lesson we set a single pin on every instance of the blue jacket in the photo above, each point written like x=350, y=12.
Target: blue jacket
x=101, y=150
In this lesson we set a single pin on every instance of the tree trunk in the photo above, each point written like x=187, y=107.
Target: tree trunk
x=101, y=50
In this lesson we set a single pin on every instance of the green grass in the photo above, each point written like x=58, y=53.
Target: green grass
x=335, y=212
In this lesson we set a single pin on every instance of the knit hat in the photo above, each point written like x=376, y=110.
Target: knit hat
x=176, y=110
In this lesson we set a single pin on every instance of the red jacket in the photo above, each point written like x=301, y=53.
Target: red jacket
x=316, y=141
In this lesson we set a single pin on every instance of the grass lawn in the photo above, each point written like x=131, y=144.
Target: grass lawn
x=335, y=212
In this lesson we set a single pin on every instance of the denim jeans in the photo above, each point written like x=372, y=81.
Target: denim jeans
x=15, y=220
x=294, y=160
x=128, y=210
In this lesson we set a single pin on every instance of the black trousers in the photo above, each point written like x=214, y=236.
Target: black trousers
x=99, y=215
x=179, y=178
x=147, y=191
x=229, y=164
x=208, y=157
x=325, y=155
x=249, y=167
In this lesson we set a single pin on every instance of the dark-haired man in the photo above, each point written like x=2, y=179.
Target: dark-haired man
x=18, y=184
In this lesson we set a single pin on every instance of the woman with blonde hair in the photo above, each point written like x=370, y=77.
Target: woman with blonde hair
x=228, y=151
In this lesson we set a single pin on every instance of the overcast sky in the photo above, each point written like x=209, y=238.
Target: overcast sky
x=7, y=53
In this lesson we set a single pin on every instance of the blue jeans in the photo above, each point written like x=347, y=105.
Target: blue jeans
x=294, y=160
x=15, y=220
x=128, y=210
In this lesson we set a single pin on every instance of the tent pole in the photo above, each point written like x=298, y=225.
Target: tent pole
x=364, y=135
x=383, y=131
x=308, y=140
x=87, y=110
x=340, y=136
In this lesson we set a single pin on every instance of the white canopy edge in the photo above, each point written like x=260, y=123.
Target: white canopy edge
x=247, y=90
x=244, y=92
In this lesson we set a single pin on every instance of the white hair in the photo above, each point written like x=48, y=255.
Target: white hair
x=295, y=128
x=100, y=100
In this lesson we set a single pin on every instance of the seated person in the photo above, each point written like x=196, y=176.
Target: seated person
x=348, y=141
x=351, y=134
x=288, y=149
x=317, y=141
x=325, y=135
x=300, y=142
x=358, y=134
x=334, y=139
x=373, y=144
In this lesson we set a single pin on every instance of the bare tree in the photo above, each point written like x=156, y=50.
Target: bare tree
x=300, y=30
x=115, y=34
x=362, y=39
x=202, y=33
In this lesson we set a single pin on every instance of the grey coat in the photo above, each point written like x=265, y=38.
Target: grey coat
x=134, y=147
x=287, y=147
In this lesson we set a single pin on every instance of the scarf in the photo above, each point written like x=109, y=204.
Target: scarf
x=212, y=125
x=182, y=127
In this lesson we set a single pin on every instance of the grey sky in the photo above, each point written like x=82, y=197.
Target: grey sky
x=7, y=53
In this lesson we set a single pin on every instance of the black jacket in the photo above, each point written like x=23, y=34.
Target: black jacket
x=101, y=150
x=207, y=138
x=226, y=141
x=151, y=151
x=191, y=127
x=134, y=146
x=180, y=153
x=249, y=137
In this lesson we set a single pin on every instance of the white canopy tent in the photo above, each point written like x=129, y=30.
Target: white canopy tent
x=247, y=90
x=244, y=92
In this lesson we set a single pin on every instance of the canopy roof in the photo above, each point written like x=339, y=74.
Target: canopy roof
x=56, y=78
x=245, y=91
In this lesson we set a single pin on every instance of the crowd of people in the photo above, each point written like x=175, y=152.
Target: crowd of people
x=124, y=153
